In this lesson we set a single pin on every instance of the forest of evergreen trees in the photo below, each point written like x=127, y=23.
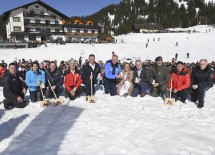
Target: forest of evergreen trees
x=163, y=12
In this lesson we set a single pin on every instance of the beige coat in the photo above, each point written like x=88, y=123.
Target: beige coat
x=129, y=77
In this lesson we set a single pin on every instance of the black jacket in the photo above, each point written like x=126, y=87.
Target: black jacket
x=13, y=86
x=145, y=75
x=56, y=78
x=202, y=77
x=22, y=74
x=87, y=69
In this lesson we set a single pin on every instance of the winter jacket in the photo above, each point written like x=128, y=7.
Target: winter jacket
x=13, y=86
x=32, y=79
x=160, y=74
x=2, y=72
x=111, y=71
x=87, y=69
x=72, y=80
x=129, y=77
x=180, y=81
x=145, y=75
x=22, y=74
x=202, y=77
x=56, y=78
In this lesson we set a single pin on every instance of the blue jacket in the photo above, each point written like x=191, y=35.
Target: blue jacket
x=32, y=79
x=111, y=71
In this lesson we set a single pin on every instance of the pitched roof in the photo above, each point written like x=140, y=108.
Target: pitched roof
x=7, y=13
x=105, y=36
x=148, y=26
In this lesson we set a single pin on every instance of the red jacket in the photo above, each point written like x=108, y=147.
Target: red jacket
x=180, y=80
x=72, y=80
x=2, y=72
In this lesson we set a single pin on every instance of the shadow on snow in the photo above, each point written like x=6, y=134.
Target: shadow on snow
x=46, y=132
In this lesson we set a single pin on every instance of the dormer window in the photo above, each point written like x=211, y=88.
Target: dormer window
x=32, y=12
x=16, y=19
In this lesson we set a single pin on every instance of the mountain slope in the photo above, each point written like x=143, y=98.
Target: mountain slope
x=169, y=13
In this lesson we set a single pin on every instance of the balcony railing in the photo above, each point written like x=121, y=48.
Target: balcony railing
x=80, y=34
x=42, y=24
x=39, y=16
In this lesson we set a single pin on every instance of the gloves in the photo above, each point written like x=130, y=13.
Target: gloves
x=156, y=84
x=195, y=86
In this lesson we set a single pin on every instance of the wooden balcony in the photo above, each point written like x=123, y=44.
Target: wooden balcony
x=71, y=34
x=42, y=25
x=39, y=16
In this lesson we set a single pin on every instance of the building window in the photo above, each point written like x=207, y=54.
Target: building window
x=48, y=29
x=32, y=12
x=32, y=38
x=78, y=30
x=27, y=29
x=57, y=30
x=56, y=22
x=38, y=29
x=47, y=22
x=86, y=31
x=37, y=6
x=78, y=23
x=37, y=21
x=19, y=38
x=26, y=21
x=93, y=31
x=16, y=19
x=17, y=28
x=42, y=12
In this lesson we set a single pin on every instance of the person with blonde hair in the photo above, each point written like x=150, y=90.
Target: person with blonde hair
x=72, y=81
x=125, y=87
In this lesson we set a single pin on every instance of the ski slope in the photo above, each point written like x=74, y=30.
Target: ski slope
x=114, y=125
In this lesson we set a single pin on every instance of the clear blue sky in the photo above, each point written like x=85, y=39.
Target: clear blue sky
x=68, y=7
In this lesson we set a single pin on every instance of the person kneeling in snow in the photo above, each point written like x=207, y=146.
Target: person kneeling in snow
x=161, y=77
x=112, y=70
x=34, y=79
x=72, y=81
x=125, y=87
x=56, y=79
x=142, y=79
x=201, y=81
x=14, y=89
x=180, y=82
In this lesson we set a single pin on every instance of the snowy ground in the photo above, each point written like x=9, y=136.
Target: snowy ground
x=114, y=125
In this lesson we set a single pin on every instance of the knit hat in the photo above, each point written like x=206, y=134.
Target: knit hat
x=158, y=58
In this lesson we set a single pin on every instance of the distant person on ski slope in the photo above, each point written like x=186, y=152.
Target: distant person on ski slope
x=176, y=57
x=188, y=55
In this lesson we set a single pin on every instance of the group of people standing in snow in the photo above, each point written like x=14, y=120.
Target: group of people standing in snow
x=71, y=79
